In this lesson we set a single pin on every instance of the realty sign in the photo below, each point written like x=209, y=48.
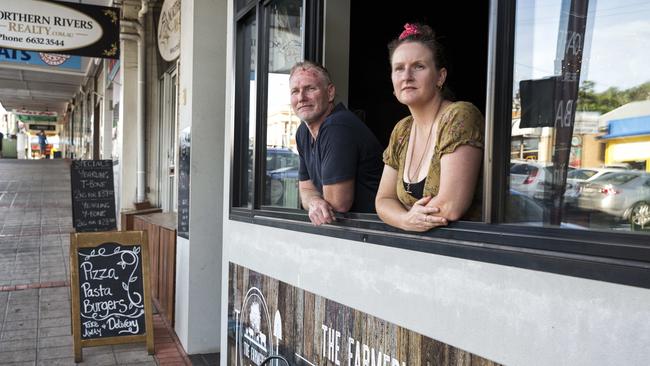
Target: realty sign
x=60, y=27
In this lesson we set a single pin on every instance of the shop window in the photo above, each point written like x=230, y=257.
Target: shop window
x=284, y=49
x=575, y=95
x=560, y=107
x=245, y=112
x=265, y=157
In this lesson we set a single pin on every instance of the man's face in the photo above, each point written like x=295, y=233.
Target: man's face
x=310, y=95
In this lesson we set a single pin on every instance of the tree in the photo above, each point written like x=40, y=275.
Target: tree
x=612, y=98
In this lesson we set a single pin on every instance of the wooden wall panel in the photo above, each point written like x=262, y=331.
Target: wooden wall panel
x=162, y=248
x=167, y=284
x=320, y=331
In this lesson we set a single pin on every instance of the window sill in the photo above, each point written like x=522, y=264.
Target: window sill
x=592, y=255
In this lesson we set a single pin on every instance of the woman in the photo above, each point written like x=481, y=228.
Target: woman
x=433, y=160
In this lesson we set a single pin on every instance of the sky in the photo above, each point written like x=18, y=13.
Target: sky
x=617, y=52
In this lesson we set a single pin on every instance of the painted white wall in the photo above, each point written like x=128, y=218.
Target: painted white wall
x=509, y=315
x=202, y=107
x=127, y=139
x=107, y=124
x=228, y=132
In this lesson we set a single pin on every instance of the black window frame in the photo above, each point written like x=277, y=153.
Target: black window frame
x=615, y=257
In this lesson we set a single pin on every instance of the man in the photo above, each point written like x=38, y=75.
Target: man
x=340, y=158
x=42, y=142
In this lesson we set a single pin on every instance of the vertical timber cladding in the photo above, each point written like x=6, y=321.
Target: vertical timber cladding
x=268, y=317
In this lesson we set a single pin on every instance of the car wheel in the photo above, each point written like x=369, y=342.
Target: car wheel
x=640, y=216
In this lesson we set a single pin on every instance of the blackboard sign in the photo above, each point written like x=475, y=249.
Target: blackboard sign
x=184, y=184
x=110, y=289
x=93, y=195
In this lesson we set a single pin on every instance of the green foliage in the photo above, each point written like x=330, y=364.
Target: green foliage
x=589, y=100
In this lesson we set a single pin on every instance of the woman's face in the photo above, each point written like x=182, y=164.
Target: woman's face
x=415, y=74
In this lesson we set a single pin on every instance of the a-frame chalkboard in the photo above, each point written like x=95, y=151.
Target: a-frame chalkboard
x=111, y=302
x=93, y=195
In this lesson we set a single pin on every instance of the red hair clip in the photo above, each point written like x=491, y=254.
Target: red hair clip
x=409, y=30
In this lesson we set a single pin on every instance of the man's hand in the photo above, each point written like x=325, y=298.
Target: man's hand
x=320, y=212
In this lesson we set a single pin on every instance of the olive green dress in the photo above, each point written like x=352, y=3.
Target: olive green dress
x=460, y=123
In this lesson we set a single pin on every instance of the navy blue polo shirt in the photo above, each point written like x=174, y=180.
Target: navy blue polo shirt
x=344, y=149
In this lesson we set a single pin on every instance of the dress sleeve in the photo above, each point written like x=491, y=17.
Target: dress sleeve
x=463, y=125
x=396, y=144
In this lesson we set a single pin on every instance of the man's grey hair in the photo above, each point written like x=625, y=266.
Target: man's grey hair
x=307, y=65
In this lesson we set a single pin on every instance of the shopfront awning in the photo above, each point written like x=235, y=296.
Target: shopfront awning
x=628, y=127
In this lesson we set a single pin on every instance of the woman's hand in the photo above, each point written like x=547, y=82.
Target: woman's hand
x=421, y=218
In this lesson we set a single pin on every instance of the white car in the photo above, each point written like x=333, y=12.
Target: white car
x=532, y=178
x=528, y=177
x=579, y=177
x=625, y=194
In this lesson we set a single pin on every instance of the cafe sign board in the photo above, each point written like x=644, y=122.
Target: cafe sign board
x=109, y=282
x=61, y=27
x=169, y=30
x=93, y=195
x=271, y=319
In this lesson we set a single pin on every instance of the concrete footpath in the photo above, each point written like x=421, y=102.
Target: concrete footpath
x=35, y=222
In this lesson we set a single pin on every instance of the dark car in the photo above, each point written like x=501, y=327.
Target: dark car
x=282, y=177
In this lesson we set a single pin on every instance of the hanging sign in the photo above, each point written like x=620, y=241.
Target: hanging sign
x=566, y=102
x=169, y=30
x=35, y=113
x=48, y=60
x=42, y=127
x=27, y=118
x=60, y=27
x=110, y=289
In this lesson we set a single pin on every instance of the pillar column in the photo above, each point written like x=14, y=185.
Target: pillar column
x=202, y=77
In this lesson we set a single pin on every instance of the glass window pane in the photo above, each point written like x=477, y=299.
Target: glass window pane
x=241, y=4
x=285, y=49
x=580, y=137
x=246, y=109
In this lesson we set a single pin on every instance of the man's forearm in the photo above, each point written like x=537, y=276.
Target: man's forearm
x=306, y=195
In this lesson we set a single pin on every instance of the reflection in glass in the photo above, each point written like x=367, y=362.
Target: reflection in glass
x=580, y=137
x=285, y=49
x=246, y=106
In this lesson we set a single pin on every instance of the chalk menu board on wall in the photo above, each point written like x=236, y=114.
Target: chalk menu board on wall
x=184, y=184
x=110, y=289
x=93, y=195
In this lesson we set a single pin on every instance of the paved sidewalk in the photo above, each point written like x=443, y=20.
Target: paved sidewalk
x=35, y=222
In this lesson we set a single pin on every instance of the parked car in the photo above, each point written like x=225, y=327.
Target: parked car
x=282, y=176
x=579, y=177
x=282, y=166
x=624, y=194
x=527, y=177
x=532, y=178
